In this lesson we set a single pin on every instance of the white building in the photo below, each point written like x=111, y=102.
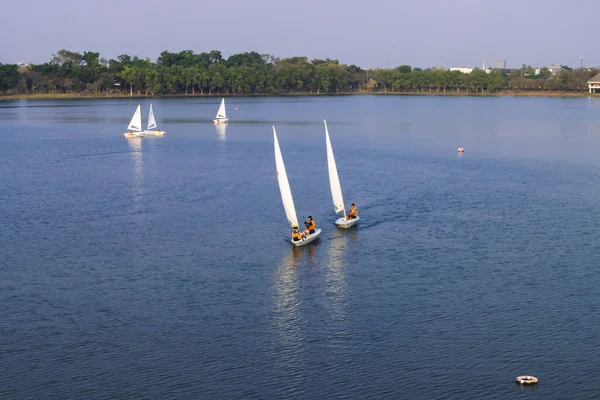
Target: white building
x=553, y=69
x=594, y=84
x=464, y=70
x=498, y=64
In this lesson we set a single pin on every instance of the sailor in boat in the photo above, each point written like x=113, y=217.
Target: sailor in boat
x=296, y=234
x=353, y=213
x=311, y=226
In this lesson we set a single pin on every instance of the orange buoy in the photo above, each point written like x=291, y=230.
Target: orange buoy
x=461, y=150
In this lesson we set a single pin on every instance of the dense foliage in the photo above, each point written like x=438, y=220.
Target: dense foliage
x=252, y=73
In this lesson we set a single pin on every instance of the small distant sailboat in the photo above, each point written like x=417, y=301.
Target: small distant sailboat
x=152, y=125
x=336, y=188
x=286, y=195
x=221, y=117
x=135, y=125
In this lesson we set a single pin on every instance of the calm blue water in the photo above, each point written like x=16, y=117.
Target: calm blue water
x=160, y=268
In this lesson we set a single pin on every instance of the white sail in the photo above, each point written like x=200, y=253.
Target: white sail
x=221, y=114
x=334, y=179
x=284, y=185
x=151, y=120
x=136, y=121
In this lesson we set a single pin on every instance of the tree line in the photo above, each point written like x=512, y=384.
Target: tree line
x=209, y=73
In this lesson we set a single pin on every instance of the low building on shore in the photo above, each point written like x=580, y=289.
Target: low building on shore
x=594, y=84
x=553, y=69
x=464, y=70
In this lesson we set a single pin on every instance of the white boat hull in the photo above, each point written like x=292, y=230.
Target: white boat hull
x=346, y=223
x=308, y=239
x=221, y=120
x=131, y=135
x=155, y=133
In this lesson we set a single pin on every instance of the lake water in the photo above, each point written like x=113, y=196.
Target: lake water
x=161, y=267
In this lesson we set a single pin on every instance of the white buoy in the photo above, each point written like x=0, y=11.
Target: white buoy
x=526, y=380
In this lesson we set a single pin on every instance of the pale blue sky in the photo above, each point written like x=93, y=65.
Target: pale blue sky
x=420, y=33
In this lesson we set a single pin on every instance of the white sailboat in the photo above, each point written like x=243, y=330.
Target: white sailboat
x=221, y=117
x=336, y=188
x=152, y=125
x=135, y=125
x=286, y=195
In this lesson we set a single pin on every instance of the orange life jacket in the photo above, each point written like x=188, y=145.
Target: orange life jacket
x=311, y=225
x=296, y=234
x=353, y=211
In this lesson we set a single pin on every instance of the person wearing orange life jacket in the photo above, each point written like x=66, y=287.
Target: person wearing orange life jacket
x=311, y=226
x=353, y=213
x=296, y=234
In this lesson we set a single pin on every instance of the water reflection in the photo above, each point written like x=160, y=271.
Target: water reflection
x=221, y=130
x=287, y=298
x=335, y=276
x=288, y=321
x=137, y=184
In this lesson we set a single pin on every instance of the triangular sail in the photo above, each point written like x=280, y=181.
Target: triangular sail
x=151, y=120
x=284, y=185
x=334, y=179
x=221, y=114
x=136, y=121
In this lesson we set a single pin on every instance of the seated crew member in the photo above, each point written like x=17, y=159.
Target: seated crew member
x=296, y=234
x=353, y=213
x=311, y=227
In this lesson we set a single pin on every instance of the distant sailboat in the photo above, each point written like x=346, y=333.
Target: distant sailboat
x=152, y=125
x=336, y=188
x=135, y=125
x=221, y=117
x=286, y=195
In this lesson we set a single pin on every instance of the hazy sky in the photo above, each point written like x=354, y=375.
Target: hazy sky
x=416, y=32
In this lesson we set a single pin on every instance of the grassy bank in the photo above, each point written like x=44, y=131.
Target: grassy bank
x=74, y=96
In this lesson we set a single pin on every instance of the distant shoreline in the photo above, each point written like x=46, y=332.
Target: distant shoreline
x=75, y=96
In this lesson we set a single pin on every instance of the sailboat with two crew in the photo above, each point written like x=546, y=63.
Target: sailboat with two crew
x=135, y=125
x=152, y=124
x=286, y=196
x=336, y=188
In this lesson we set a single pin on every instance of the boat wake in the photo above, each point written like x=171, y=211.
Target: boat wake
x=111, y=153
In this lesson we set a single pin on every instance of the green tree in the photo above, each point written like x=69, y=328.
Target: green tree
x=154, y=83
x=9, y=76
